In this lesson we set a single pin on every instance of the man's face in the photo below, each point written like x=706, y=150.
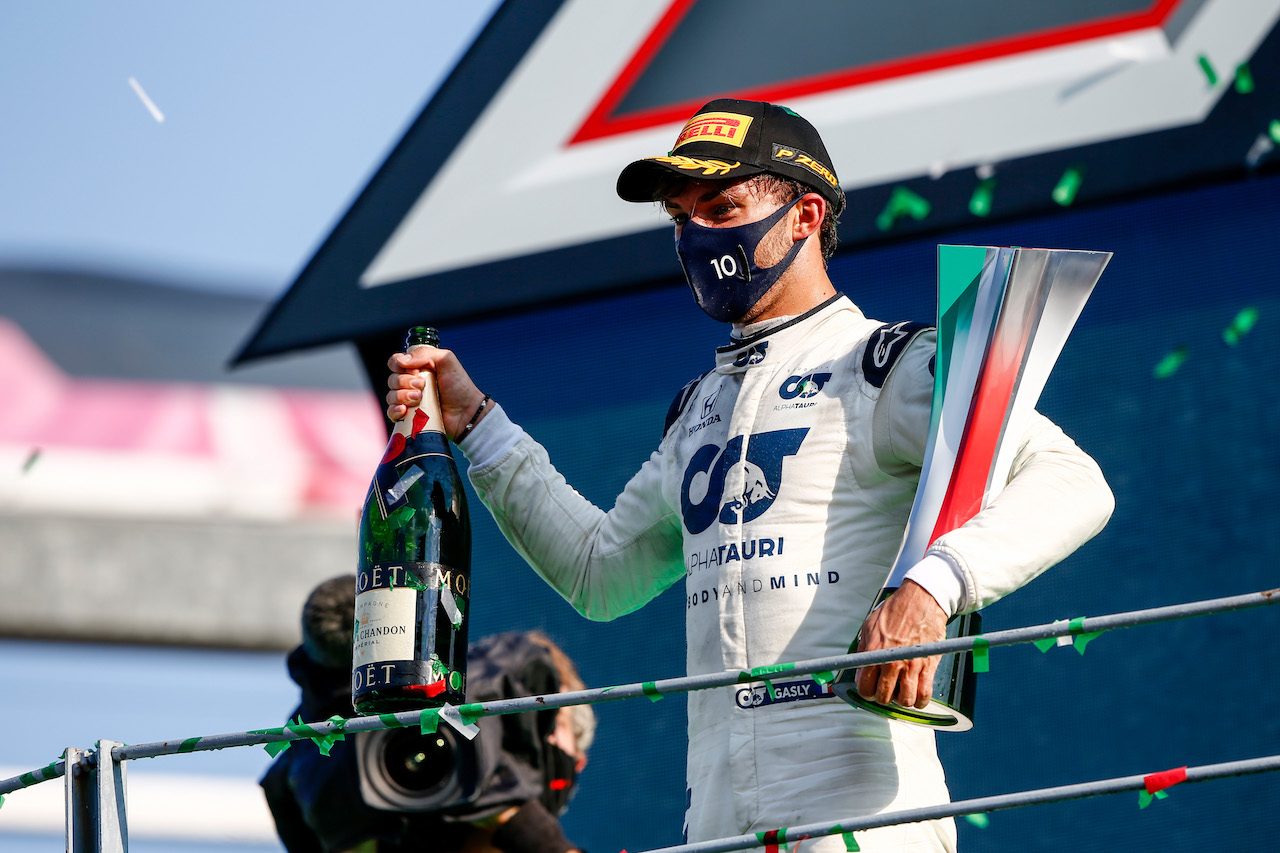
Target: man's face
x=717, y=204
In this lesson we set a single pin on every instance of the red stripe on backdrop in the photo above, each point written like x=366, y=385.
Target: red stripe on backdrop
x=598, y=122
x=602, y=122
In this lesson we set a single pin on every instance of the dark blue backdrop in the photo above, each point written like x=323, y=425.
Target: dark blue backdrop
x=1191, y=459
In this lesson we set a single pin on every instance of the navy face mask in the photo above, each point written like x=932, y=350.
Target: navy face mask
x=720, y=265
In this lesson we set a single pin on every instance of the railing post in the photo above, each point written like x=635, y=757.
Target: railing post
x=80, y=802
x=113, y=834
x=95, y=785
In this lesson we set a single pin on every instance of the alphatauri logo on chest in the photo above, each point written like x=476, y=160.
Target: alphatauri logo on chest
x=736, y=486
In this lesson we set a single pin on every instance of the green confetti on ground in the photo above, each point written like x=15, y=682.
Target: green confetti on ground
x=979, y=820
x=980, y=201
x=1169, y=365
x=1241, y=325
x=651, y=690
x=1068, y=186
x=1244, y=79
x=1207, y=67
x=981, y=655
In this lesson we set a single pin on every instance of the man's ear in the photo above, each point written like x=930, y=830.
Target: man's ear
x=813, y=208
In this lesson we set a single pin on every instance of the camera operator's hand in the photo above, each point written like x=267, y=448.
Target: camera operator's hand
x=527, y=828
x=497, y=820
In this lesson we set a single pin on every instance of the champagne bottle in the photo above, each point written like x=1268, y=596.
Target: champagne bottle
x=413, y=583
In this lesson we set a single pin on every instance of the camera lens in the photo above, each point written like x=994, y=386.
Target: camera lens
x=417, y=763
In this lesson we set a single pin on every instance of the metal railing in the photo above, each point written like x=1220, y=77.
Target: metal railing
x=95, y=801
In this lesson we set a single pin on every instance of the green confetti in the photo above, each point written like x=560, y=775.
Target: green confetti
x=1240, y=326
x=762, y=671
x=275, y=747
x=979, y=820
x=1083, y=640
x=470, y=713
x=189, y=744
x=824, y=678
x=1045, y=644
x=850, y=844
x=1144, y=799
x=31, y=460
x=400, y=517
x=429, y=720
x=980, y=201
x=391, y=720
x=651, y=690
x=1273, y=130
x=768, y=685
x=1, y=801
x=1244, y=79
x=903, y=202
x=325, y=742
x=1207, y=67
x=1068, y=186
x=981, y=655
x=1082, y=637
x=1169, y=365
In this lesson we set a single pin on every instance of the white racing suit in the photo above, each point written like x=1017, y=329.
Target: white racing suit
x=779, y=494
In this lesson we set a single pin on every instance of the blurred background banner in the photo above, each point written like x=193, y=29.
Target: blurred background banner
x=304, y=180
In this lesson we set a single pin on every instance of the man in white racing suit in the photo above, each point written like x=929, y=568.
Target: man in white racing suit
x=779, y=493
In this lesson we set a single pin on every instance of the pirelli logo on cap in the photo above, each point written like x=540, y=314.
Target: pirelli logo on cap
x=784, y=154
x=725, y=128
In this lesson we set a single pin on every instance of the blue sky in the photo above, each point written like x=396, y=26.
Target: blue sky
x=275, y=115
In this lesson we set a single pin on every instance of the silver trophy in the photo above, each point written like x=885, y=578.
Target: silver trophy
x=1004, y=315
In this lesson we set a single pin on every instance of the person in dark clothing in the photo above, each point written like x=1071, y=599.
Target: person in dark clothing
x=527, y=763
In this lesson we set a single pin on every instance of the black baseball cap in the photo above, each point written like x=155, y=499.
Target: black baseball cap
x=729, y=138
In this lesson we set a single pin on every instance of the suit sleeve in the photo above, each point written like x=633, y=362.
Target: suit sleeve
x=605, y=564
x=1055, y=500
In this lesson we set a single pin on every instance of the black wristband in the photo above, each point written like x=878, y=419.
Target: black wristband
x=471, y=424
x=533, y=829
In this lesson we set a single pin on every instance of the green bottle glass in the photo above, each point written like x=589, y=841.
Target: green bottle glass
x=413, y=583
